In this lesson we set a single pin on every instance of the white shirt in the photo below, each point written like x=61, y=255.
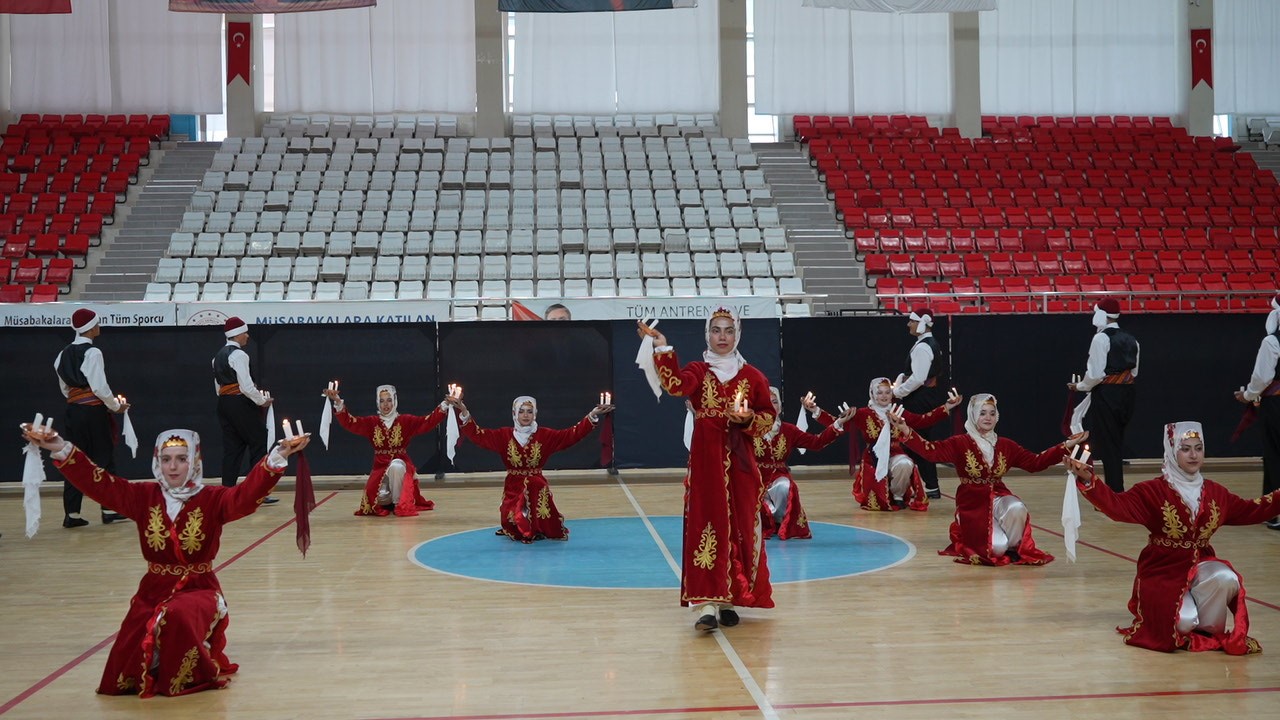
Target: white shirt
x=1096, y=367
x=94, y=371
x=239, y=362
x=1264, y=368
x=921, y=361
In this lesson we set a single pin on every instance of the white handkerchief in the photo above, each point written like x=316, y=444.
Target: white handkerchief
x=326, y=420
x=644, y=360
x=688, y=430
x=802, y=422
x=32, y=476
x=451, y=434
x=271, y=426
x=130, y=437
x=1071, y=517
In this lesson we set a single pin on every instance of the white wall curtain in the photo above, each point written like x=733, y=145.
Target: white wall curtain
x=62, y=63
x=906, y=6
x=810, y=60
x=608, y=62
x=166, y=62
x=401, y=56
x=1084, y=57
x=1246, y=55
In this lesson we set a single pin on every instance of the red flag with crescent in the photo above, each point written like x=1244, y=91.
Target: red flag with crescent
x=239, y=51
x=1202, y=57
x=35, y=7
x=520, y=311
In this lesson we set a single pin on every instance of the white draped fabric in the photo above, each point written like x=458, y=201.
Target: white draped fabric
x=1246, y=57
x=166, y=62
x=629, y=62
x=1084, y=57
x=61, y=63
x=401, y=56
x=906, y=6
x=123, y=57
x=810, y=60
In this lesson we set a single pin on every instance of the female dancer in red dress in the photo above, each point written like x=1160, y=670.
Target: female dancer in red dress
x=173, y=638
x=723, y=562
x=886, y=478
x=393, y=483
x=1183, y=592
x=528, y=512
x=991, y=526
x=781, y=513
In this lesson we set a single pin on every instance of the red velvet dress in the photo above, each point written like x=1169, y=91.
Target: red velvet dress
x=723, y=559
x=391, y=444
x=528, y=511
x=1167, y=565
x=980, y=484
x=175, y=611
x=771, y=458
x=870, y=492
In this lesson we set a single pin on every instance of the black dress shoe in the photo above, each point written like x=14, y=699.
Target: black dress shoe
x=110, y=517
x=706, y=623
x=1274, y=523
x=729, y=617
x=70, y=522
x=268, y=500
x=934, y=494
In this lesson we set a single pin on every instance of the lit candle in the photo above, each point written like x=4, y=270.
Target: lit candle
x=737, y=401
x=608, y=398
x=288, y=431
x=601, y=399
x=1084, y=457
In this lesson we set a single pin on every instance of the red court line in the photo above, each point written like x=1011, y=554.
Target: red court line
x=849, y=704
x=48, y=679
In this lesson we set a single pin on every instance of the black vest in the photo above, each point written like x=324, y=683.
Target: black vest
x=69, y=365
x=1123, y=354
x=223, y=373
x=936, y=367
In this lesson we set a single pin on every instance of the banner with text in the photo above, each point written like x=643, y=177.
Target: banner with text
x=691, y=308
x=558, y=6
x=905, y=6
x=255, y=7
x=131, y=314
x=372, y=312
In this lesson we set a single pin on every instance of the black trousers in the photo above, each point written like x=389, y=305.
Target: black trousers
x=920, y=401
x=1269, y=415
x=243, y=430
x=89, y=427
x=1110, y=410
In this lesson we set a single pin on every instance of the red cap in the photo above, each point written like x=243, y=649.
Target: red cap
x=83, y=320
x=234, y=326
x=1110, y=306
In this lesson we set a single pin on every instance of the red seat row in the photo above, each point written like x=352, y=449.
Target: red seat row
x=941, y=240
x=1097, y=262
x=1059, y=217
x=1157, y=197
x=33, y=271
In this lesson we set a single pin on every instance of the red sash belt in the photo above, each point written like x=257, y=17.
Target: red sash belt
x=232, y=389
x=931, y=382
x=82, y=396
x=1272, y=390
x=1124, y=378
x=527, y=472
x=164, y=569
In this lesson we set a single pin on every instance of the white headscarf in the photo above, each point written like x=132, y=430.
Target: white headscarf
x=195, y=475
x=1273, y=318
x=776, y=396
x=885, y=438
x=389, y=418
x=522, y=434
x=986, y=442
x=1187, y=486
x=725, y=366
x=922, y=316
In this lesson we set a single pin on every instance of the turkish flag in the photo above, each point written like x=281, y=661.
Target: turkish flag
x=35, y=7
x=239, y=51
x=519, y=311
x=1202, y=57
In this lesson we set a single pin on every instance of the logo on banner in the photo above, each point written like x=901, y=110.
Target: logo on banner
x=256, y=7
x=239, y=51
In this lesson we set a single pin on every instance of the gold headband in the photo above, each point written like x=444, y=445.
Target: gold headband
x=989, y=401
x=721, y=313
x=174, y=441
x=1188, y=435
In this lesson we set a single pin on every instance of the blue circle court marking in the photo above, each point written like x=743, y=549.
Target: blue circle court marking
x=619, y=553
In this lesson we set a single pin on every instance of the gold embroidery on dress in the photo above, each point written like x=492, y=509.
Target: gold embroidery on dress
x=98, y=474
x=379, y=437
x=710, y=392
x=192, y=536
x=1173, y=526
x=780, y=449
x=126, y=683
x=705, y=556
x=873, y=429
x=544, y=503
x=1002, y=465
x=803, y=521
x=763, y=422
x=1215, y=521
x=971, y=465
x=185, y=672
x=872, y=502
x=513, y=454
x=397, y=436
x=365, y=507
x=155, y=529
x=535, y=454
x=758, y=442
x=1252, y=646
x=668, y=379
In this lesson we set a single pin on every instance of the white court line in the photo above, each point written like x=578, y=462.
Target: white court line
x=757, y=694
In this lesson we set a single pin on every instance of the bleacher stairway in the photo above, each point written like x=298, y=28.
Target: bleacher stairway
x=130, y=262
x=824, y=257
